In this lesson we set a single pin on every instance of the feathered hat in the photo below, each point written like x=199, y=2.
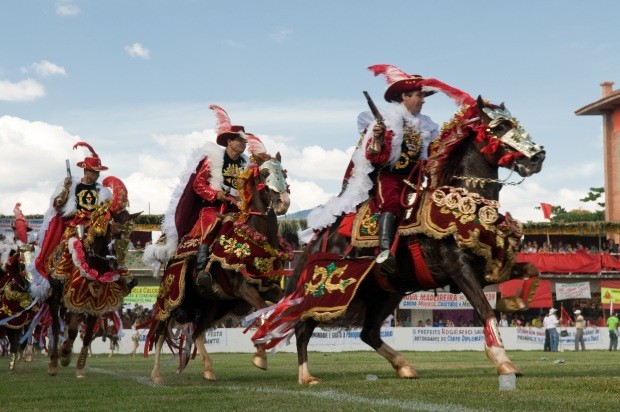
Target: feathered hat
x=224, y=129
x=398, y=81
x=91, y=162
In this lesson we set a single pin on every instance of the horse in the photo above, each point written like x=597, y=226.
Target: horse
x=17, y=306
x=451, y=236
x=244, y=262
x=96, y=280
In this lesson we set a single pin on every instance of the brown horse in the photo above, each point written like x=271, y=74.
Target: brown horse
x=453, y=228
x=244, y=262
x=18, y=308
x=97, y=280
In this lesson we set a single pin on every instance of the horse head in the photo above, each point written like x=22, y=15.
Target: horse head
x=263, y=187
x=473, y=145
x=506, y=141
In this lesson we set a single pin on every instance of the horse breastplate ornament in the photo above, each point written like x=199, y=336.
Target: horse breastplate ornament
x=475, y=224
x=410, y=150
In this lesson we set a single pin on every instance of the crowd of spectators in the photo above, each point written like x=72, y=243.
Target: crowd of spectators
x=532, y=246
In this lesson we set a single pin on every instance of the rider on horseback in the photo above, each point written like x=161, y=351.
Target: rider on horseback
x=71, y=205
x=385, y=156
x=206, y=192
x=395, y=148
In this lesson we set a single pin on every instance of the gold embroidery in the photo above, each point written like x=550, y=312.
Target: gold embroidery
x=412, y=140
x=328, y=279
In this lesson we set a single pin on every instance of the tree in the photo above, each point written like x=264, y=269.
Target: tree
x=593, y=195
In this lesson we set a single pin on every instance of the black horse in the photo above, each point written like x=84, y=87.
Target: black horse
x=462, y=189
x=235, y=292
x=94, y=280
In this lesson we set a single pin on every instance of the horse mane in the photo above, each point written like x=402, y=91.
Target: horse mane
x=444, y=153
x=246, y=187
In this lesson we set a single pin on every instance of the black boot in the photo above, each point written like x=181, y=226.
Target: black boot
x=387, y=231
x=203, y=278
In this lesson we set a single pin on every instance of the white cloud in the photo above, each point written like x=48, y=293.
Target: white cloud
x=521, y=201
x=280, y=36
x=155, y=168
x=23, y=91
x=233, y=43
x=66, y=8
x=45, y=68
x=138, y=50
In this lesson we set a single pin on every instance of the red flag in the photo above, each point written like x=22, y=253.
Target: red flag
x=546, y=208
x=565, y=318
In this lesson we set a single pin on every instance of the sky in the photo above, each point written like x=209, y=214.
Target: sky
x=135, y=79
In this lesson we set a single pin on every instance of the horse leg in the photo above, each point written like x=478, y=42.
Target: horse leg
x=371, y=335
x=66, y=349
x=86, y=341
x=160, y=335
x=303, y=333
x=28, y=351
x=494, y=348
x=14, y=350
x=250, y=294
x=208, y=373
x=52, y=368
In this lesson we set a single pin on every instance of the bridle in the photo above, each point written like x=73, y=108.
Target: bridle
x=275, y=181
x=515, y=138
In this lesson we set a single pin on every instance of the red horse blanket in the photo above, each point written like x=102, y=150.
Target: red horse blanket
x=325, y=289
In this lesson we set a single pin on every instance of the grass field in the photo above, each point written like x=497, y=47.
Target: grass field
x=449, y=381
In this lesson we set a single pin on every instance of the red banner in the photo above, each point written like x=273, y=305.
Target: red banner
x=546, y=208
x=577, y=262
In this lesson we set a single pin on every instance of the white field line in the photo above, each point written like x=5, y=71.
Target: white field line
x=327, y=394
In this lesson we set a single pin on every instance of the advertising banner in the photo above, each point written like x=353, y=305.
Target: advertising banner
x=443, y=300
x=142, y=295
x=578, y=290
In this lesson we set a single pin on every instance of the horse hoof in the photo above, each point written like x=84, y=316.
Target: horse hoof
x=27, y=358
x=407, y=372
x=79, y=373
x=157, y=379
x=260, y=363
x=65, y=361
x=209, y=376
x=508, y=368
x=311, y=380
x=52, y=371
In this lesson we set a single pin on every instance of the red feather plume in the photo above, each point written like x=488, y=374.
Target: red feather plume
x=89, y=147
x=223, y=120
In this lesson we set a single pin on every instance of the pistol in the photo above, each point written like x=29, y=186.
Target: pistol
x=375, y=146
x=68, y=168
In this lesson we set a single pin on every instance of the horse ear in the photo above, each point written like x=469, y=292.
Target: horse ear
x=480, y=103
x=278, y=157
x=134, y=216
x=502, y=107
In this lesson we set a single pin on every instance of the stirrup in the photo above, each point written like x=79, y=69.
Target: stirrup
x=382, y=257
x=386, y=262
